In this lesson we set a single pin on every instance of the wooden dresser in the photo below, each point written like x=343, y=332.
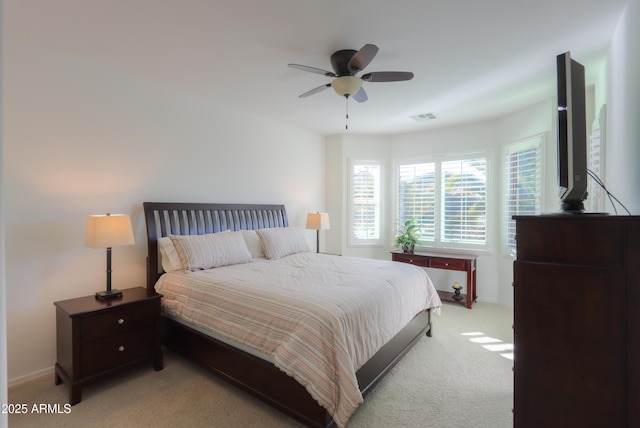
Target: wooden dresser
x=96, y=338
x=577, y=321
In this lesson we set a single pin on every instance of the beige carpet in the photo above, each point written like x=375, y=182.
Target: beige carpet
x=457, y=378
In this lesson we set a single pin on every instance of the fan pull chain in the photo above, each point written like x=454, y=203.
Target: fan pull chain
x=346, y=121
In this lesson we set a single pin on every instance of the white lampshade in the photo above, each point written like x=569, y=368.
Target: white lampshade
x=318, y=221
x=346, y=85
x=110, y=230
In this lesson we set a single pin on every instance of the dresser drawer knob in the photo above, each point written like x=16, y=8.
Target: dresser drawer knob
x=410, y=260
x=121, y=321
x=121, y=348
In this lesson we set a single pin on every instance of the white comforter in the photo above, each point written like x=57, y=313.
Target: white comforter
x=319, y=317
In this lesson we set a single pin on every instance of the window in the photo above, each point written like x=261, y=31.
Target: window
x=448, y=199
x=417, y=197
x=464, y=201
x=523, y=183
x=365, y=202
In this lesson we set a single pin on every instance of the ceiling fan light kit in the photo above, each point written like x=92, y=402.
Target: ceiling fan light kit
x=346, y=85
x=346, y=63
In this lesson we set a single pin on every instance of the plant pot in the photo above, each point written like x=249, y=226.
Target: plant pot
x=408, y=249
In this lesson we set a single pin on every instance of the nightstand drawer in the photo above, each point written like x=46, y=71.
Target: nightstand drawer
x=114, y=351
x=117, y=321
x=447, y=264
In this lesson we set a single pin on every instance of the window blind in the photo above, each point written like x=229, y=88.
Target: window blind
x=464, y=201
x=365, y=201
x=417, y=197
x=447, y=197
x=523, y=186
x=596, y=201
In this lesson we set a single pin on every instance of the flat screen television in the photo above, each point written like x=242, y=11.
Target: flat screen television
x=572, y=134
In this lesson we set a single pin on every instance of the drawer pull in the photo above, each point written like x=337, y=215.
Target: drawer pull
x=121, y=321
x=121, y=348
x=446, y=264
x=410, y=260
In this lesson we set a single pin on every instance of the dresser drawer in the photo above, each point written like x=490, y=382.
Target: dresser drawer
x=111, y=322
x=447, y=264
x=111, y=352
x=587, y=241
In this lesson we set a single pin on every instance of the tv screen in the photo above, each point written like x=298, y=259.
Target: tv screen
x=572, y=134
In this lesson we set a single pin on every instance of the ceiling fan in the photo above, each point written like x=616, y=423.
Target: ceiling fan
x=346, y=63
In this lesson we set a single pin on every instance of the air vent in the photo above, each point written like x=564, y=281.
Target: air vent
x=422, y=117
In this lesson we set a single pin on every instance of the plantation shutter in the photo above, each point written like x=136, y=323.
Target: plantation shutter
x=523, y=183
x=596, y=201
x=464, y=207
x=417, y=197
x=365, y=201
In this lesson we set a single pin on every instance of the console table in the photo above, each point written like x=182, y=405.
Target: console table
x=449, y=261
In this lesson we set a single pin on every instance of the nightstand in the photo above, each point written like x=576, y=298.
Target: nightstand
x=97, y=338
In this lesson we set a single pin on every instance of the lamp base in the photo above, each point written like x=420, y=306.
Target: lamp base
x=108, y=294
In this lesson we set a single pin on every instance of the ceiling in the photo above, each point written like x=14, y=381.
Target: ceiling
x=472, y=59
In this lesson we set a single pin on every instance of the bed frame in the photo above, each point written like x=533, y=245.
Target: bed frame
x=253, y=374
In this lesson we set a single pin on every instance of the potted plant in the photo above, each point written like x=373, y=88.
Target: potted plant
x=407, y=235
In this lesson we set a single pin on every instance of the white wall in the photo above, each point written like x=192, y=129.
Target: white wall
x=83, y=139
x=623, y=109
x=332, y=240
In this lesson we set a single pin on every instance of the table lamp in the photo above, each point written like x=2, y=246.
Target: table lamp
x=106, y=231
x=318, y=221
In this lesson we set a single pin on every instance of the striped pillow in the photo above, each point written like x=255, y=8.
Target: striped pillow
x=282, y=241
x=168, y=255
x=210, y=250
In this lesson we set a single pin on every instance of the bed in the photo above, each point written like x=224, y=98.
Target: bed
x=260, y=366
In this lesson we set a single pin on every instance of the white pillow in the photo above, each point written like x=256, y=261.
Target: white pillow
x=282, y=241
x=169, y=258
x=253, y=243
x=210, y=250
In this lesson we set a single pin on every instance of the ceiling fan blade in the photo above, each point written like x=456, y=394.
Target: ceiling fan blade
x=315, y=90
x=313, y=70
x=360, y=96
x=362, y=58
x=387, y=76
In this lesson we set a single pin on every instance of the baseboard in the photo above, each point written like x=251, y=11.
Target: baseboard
x=505, y=304
x=31, y=376
x=496, y=302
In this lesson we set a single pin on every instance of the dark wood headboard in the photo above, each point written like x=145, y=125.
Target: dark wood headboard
x=187, y=218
